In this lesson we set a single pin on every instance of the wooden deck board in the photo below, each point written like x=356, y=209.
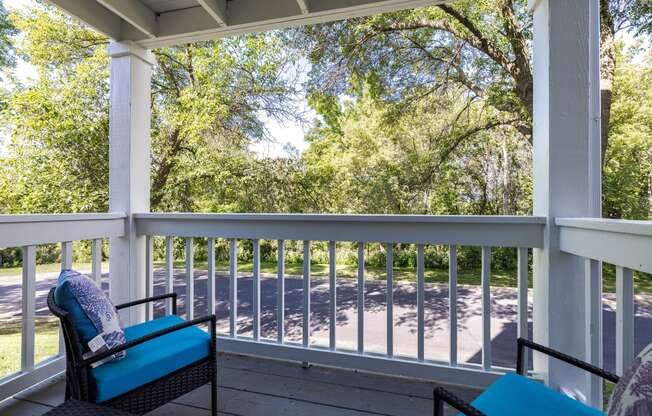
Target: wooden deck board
x=251, y=386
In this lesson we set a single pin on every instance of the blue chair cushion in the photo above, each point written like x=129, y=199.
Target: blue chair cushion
x=151, y=360
x=514, y=395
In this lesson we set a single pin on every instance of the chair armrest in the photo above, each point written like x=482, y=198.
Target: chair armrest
x=441, y=396
x=129, y=344
x=522, y=343
x=151, y=299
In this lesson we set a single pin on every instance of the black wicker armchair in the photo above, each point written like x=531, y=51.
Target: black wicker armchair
x=514, y=394
x=81, y=383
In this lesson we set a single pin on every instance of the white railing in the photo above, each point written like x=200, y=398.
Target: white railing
x=452, y=231
x=29, y=231
x=628, y=246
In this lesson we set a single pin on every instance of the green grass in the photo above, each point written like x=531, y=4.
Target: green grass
x=499, y=278
x=403, y=274
x=46, y=344
x=47, y=268
x=607, y=391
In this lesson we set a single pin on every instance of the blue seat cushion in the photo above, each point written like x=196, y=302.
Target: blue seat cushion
x=151, y=360
x=514, y=395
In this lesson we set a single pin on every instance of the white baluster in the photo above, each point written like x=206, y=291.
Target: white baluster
x=390, y=299
x=190, y=280
x=486, y=308
x=256, y=291
x=210, y=283
x=452, y=304
x=280, y=293
x=624, y=318
x=306, y=293
x=233, y=287
x=29, y=308
x=361, y=297
x=332, y=278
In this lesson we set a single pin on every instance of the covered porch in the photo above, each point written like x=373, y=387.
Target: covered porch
x=257, y=386
x=264, y=372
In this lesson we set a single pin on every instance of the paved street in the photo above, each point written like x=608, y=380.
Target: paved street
x=503, y=313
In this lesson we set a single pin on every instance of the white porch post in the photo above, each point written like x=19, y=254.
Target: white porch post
x=566, y=184
x=129, y=164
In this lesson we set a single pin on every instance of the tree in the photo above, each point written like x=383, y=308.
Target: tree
x=209, y=103
x=7, y=30
x=481, y=46
x=433, y=158
x=211, y=99
x=628, y=161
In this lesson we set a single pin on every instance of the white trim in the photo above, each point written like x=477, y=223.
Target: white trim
x=486, y=308
x=23, y=230
x=28, y=308
x=452, y=305
x=15, y=383
x=103, y=20
x=619, y=242
x=135, y=13
x=473, y=219
x=129, y=48
x=455, y=230
x=641, y=228
x=389, y=303
x=624, y=319
x=29, y=218
x=217, y=9
x=248, y=16
x=304, y=5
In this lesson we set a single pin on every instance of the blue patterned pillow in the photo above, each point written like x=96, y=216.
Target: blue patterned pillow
x=633, y=393
x=91, y=311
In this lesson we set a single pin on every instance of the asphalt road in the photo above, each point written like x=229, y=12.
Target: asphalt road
x=503, y=314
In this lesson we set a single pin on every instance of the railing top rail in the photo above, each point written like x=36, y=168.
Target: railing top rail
x=418, y=229
x=30, y=218
x=23, y=230
x=643, y=228
x=467, y=219
x=620, y=242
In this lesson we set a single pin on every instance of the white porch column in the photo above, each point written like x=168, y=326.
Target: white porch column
x=566, y=183
x=129, y=165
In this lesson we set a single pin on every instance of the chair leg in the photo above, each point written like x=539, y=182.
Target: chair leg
x=438, y=407
x=214, y=390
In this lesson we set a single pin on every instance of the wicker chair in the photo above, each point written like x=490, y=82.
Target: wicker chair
x=514, y=394
x=81, y=383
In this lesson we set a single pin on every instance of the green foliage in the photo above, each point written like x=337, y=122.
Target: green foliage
x=57, y=156
x=430, y=158
x=210, y=101
x=7, y=30
x=628, y=161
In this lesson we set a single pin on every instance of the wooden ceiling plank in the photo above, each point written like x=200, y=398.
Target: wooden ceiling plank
x=134, y=12
x=304, y=5
x=217, y=10
x=103, y=20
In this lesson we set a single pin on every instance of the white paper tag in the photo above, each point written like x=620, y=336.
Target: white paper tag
x=96, y=343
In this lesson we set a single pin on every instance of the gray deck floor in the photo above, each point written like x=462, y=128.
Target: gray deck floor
x=251, y=386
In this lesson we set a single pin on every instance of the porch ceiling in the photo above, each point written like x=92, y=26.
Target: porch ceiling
x=155, y=23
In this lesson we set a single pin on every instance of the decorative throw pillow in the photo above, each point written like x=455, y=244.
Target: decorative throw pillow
x=633, y=393
x=91, y=311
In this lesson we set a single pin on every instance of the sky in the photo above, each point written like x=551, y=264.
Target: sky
x=284, y=136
